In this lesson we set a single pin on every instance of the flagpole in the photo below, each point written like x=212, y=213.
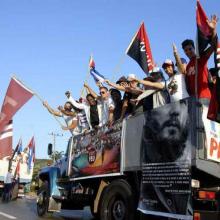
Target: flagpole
x=86, y=79
x=118, y=67
x=36, y=94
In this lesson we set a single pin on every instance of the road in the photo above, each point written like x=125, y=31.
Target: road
x=25, y=209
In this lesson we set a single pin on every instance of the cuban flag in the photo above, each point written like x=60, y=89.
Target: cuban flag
x=31, y=153
x=95, y=74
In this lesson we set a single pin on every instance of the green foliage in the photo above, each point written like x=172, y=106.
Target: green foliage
x=57, y=155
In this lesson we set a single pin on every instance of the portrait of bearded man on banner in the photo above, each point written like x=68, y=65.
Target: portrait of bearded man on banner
x=165, y=133
x=166, y=161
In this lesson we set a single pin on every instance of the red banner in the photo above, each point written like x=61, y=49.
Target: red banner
x=16, y=96
x=6, y=141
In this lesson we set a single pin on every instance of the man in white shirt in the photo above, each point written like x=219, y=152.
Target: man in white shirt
x=8, y=185
x=105, y=105
x=175, y=85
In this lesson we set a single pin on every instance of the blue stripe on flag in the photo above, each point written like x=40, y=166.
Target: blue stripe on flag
x=96, y=75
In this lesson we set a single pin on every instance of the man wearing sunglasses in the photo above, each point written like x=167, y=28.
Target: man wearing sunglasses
x=203, y=92
x=105, y=105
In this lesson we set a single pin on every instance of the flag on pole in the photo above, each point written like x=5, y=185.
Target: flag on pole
x=6, y=140
x=16, y=96
x=91, y=63
x=139, y=49
x=18, y=148
x=203, y=31
x=31, y=153
x=95, y=74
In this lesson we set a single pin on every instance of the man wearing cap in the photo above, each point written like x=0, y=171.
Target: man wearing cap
x=128, y=85
x=175, y=85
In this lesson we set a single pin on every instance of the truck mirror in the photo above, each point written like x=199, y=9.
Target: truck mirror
x=50, y=149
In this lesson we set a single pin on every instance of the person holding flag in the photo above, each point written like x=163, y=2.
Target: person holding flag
x=196, y=69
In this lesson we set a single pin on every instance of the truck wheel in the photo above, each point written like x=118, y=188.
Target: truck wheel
x=117, y=202
x=43, y=200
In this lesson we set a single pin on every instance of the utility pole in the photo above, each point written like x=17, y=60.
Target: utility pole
x=54, y=141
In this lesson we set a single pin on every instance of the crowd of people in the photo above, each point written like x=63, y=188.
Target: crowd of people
x=183, y=80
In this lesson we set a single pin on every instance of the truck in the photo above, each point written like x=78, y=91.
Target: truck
x=159, y=164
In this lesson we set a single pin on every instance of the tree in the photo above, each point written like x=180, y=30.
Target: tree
x=56, y=155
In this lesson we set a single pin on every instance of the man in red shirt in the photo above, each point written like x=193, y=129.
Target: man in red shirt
x=202, y=91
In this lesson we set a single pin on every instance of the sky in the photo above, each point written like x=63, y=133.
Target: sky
x=47, y=44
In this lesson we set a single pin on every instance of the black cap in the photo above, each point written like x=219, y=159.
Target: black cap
x=122, y=79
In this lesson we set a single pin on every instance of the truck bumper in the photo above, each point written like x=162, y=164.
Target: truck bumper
x=205, y=215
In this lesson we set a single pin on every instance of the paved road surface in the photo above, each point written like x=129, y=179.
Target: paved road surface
x=25, y=209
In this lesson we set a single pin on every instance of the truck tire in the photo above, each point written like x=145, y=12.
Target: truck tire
x=43, y=200
x=117, y=202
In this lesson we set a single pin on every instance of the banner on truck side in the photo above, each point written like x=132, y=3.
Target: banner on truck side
x=212, y=131
x=166, y=161
x=97, y=153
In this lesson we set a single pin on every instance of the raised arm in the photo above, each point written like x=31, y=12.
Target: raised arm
x=114, y=85
x=91, y=91
x=181, y=67
x=135, y=91
x=212, y=23
x=52, y=111
x=73, y=101
x=68, y=113
x=156, y=85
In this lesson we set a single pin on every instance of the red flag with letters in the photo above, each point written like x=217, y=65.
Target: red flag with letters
x=6, y=140
x=204, y=34
x=139, y=49
x=16, y=96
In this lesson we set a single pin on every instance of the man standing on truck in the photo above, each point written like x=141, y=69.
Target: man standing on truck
x=105, y=105
x=68, y=115
x=197, y=67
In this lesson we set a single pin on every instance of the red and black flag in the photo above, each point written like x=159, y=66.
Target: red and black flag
x=204, y=34
x=139, y=49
